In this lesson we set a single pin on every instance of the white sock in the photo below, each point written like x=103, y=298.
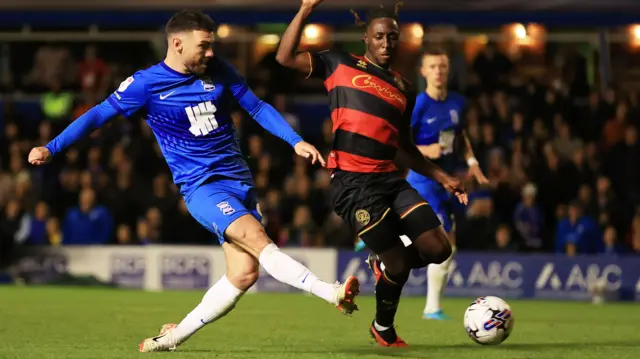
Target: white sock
x=289, y=271
x=379, y=327
x=436, y=278
x=219, y=300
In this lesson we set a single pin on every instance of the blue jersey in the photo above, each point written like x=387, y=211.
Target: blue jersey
x=190, y=118
x=439, y=122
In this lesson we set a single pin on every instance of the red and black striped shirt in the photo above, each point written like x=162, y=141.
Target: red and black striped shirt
x=369, y=106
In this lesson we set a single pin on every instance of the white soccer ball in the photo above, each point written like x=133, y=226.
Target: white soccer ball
x=488, y=320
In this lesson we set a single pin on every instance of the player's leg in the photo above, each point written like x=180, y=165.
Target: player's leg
x=382, y=238
x=218, y=301
x=437, y=274
x=422, y=220
x=242, y=273
x=247, y=233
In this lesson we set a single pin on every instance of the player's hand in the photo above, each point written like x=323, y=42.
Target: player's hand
x=307, y=150
x=311, y=3
x=476, y=172
x=453, y=185
x=39, y=156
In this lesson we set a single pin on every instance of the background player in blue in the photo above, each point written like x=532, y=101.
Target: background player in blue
x=438, y=131
x=187, y=99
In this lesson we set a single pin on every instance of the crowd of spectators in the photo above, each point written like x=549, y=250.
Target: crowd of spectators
x=562, y=159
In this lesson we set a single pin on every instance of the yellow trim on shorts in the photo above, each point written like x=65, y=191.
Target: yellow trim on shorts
x=408, y=212
x=375, y=224
x=386, y=277
x=310, y=65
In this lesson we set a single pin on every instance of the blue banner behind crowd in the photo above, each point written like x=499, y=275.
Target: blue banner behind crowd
x=472, y=275
x=517, y=276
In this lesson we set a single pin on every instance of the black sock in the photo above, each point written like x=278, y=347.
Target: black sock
x=388, y=292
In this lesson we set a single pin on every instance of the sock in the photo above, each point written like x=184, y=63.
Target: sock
x=289, y=271
x=437, y=275
x=388, y=290
x=219, y=300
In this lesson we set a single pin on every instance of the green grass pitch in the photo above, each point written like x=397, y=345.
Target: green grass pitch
x=48, y=322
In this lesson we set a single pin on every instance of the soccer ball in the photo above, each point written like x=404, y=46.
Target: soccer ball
x=488, y=320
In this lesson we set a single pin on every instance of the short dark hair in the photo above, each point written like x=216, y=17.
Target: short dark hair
x=379, y=13
x=189, y=20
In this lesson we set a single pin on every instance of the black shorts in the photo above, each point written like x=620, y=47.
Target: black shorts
x=380, y=207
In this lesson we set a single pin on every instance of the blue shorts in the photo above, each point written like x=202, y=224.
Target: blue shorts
x=218, y=203
x=440, y=200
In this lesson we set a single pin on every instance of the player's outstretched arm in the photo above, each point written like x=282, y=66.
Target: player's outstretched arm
x=409, y=155
x=474, y=166
x=92, y=119
x=287, y=55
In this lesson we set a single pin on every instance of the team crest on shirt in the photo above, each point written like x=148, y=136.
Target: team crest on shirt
x=400, y=83
x=207, y=84
x=361, y=64
x=454, y=117
x=363, y=217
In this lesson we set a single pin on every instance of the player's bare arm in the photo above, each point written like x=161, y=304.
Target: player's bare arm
x=432, y=151
x=410, y=156
x=287, y=51
x=474, y=166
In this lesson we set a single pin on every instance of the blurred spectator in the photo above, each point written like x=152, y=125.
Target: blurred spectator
x=123, y=235
x=53, y=64
x=93, y=72
x=184, y=229
x=565, y=145
x=303, y=232
x=613, y=132
x=504, y=241
x=54, y=233
x=88, y=223
x=621, y=164
x=57, y=104
x=14, y=229
x=528, y=218
x=577, y=233
x=38, y=229
x=611, y=245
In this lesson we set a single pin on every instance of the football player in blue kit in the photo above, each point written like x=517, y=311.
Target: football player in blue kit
x=187, y=100
x=438, y=131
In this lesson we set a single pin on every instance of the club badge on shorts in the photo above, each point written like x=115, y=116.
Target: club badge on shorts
x=363, y=217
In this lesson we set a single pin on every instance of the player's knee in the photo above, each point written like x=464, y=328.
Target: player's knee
x=248, y=234
x=395, y=265
x=442, y=252
x=434, y=246
x=243, y=280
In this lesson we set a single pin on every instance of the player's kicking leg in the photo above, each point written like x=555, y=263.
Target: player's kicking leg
x=247, y=233
x=220, y=299
x=218, y=207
